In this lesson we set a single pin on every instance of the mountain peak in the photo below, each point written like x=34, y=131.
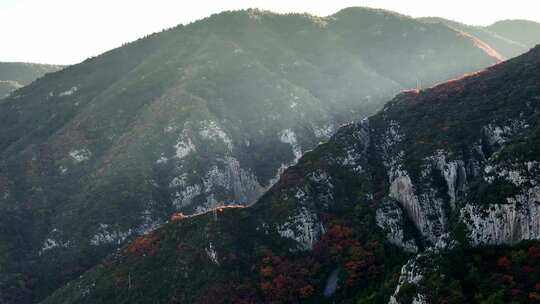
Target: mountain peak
x=198, y=117
x=359, y=11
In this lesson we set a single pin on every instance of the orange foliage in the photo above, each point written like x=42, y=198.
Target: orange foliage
x=144, y=245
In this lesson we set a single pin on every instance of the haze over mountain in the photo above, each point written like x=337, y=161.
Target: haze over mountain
x=427, y=183
x=14, y=75
x=522, y=31
x=508, y=38
x=48, y=39
x=198, y=117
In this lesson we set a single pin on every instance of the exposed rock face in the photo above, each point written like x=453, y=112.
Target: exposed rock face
x=444, y=184
x=240, y=187
x=431, y=169
x=416, y=271
x=390, y=219
x=304, y=228
x=517, y=217
x=426, y=212
x=508, y=222
x=498, y=224
x=442, y=188
x=453, y=173
x=422, y=202
x=210, y=113
x=411, y=273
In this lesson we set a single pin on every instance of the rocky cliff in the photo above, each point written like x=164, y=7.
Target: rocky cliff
x=401, y=207
x=192, y=118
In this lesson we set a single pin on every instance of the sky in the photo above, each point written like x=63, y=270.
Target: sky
x=69, y=31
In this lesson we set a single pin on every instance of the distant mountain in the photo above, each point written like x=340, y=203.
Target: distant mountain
x=14, y=75
x=195, y=117
x=522, y=31
x=8, y=86
x=430, y=184
x=503, y=47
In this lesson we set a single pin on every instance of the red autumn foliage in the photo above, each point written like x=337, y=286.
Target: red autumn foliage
x=289, y=279
x=284, y=280
x=534, y=252
x=144, y=245
x=360, y=263
x=504, y=263
x=306, y=291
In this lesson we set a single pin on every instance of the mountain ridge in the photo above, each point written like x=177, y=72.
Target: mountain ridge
x=189, y=119
x=391, y=179
x=14, y=75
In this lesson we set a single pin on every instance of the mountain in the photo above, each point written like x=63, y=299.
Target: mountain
x=8, y=86
x=195, y=117
x=434, y=199
x=504, y=39
x=14, y=75
x=503, y=47
x=522, y=31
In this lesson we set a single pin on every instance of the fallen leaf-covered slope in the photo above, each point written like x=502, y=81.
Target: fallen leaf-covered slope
x=14, y=75
x=426, y=178
x=188, y=119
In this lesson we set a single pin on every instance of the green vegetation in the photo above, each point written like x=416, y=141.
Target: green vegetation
x=189, y=118
x=321, y=217
x=482, y=275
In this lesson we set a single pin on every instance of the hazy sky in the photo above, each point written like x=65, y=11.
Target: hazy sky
x=68, y=31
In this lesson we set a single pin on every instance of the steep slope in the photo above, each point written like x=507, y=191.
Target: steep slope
x=188, y=119
x=522, y=31
x=504, y=46
x=438, y=176
x=14, y=75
